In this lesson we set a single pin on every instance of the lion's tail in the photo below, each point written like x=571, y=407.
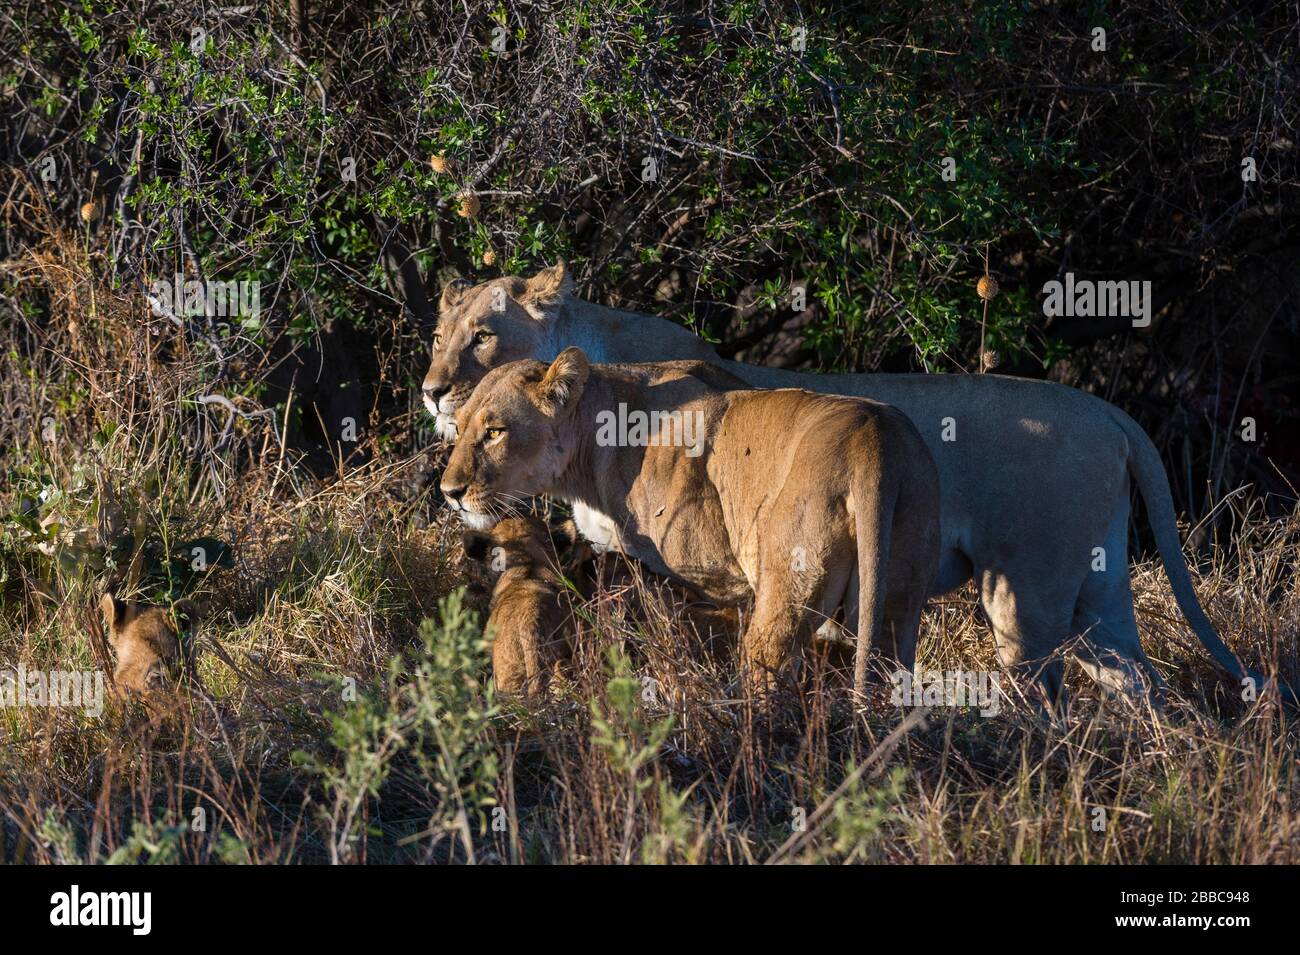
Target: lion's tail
x=1149, y=473
x=874, y=527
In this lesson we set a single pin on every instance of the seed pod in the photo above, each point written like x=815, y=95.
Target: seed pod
x=987, y=287
x=469, y=205
x=489, y=257
x=439, y=163
x=89, y=211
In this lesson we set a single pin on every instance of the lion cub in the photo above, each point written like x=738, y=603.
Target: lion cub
x=530, y=616
x=151, y=643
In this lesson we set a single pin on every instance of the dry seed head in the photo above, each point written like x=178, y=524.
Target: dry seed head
x=439, y=163
x=987, y=287
x=469, y=205
x=489, y=257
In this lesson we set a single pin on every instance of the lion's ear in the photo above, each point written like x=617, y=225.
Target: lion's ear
x=453, y=292
x=114, y=610
x=561, y=386
x=476, y=544
x=564, y=535
x=545, y=292
x=186, y=614
x=571, y=547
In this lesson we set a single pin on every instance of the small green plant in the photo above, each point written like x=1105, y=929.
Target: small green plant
x=631, y=743
x=860, y=816
x=152, y=843
x=430, y=724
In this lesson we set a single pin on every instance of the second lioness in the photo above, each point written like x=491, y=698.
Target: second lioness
x=812, y=503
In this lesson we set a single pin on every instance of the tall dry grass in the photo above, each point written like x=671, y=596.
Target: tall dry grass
x=341, y=709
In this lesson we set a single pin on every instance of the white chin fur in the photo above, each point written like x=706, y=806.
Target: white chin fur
x=476, y=522
x=443, y=422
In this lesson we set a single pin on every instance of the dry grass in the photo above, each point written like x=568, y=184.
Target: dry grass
x=326, y=723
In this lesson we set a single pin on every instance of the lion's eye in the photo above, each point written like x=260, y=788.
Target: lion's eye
x=480, y=337
x=437, y=341
x=493, y=433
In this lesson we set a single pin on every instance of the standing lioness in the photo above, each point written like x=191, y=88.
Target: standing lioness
x=811, y=502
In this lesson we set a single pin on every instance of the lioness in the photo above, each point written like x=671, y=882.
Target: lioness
x=1034, y=475
x=530, y=615
x=810, y=502
x=149, y=642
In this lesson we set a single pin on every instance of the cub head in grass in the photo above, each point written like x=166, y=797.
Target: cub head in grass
x=152, y=644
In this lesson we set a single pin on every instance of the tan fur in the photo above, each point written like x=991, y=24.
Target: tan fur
x=150, y=651
x=1034, y=476
x=530, y=618
x=808, y=502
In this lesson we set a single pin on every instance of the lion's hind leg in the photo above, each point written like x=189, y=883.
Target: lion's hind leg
x=1108, y=647
x=1104, y=625
x=788, y=603
x=1029, y=632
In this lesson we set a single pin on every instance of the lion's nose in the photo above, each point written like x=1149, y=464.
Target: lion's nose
x=435, y=392
x=453, y=492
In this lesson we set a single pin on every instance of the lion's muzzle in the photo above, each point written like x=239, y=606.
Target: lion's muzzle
x=441, y=403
